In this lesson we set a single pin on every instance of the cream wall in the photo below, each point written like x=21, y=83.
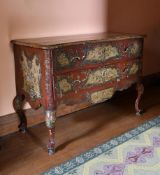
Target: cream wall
x=34, y=18
x=7, y=86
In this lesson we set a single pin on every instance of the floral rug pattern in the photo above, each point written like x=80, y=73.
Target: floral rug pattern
x=136, y=152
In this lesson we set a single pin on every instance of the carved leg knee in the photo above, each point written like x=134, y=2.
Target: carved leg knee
x=50, y=123
x=18, y=104
x=140, y=90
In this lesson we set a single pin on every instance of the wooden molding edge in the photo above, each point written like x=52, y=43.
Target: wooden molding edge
x=9, y=123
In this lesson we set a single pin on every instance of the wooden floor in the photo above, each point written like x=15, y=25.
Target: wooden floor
x=26, y=154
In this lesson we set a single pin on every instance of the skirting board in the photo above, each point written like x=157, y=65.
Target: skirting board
x=9, y=123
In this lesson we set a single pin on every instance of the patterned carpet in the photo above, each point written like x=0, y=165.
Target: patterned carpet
x=136, y=152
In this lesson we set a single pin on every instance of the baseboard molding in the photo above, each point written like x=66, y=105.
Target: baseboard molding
x=9, y=123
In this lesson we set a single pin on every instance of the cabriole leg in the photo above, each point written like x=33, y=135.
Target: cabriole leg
x=50, y=123
x=18, y=104
x=140, y=90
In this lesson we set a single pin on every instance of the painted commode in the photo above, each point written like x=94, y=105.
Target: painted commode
x=74, y=72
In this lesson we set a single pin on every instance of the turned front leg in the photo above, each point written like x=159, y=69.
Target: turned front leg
x=50, y=123
x=18, y=104
x=140, y=90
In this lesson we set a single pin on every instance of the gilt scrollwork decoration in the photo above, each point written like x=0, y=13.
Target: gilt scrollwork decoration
x=31, y=70
x=100, y=96
x=101, y=76
x=134, y=49
x=102, y=53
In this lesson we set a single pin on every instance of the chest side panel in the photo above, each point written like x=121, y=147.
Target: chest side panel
x=33, y=70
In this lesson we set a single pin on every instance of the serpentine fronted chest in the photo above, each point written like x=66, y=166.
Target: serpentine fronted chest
x=73, y=72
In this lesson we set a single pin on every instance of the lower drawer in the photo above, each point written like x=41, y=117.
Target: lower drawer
x=94, y=84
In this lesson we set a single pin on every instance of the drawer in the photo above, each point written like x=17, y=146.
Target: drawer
x=77, y=81
x=76, y=56
x=130, y=68
x=81, y=55
x=71, y=56
x=131, y=48
x=80, y=80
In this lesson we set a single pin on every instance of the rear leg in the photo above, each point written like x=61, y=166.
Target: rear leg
x=140, y=90
x=18, y=104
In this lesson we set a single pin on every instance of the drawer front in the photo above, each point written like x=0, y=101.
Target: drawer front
x=75, y=56
x=131, y=48
x=85, y=79
x=71, y=84
x=130, y=68
x=68, y=56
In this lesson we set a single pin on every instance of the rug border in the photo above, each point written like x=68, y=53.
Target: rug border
x=101, y=148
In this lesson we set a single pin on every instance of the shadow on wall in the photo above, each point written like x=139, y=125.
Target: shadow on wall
x=141, y=17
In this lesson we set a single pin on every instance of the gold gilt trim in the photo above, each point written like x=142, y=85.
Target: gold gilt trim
x=102, y=53
x=110, y=52
x=63, y=60
x=101, y=76
x=134, y=49
x=64, y=85
x=97, y=54
x=134, y=69
x=102, y=95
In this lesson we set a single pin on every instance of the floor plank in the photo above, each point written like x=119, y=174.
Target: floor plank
x=75, y=133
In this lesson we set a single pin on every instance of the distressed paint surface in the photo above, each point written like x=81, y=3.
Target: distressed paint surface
x=100, y=96
x=50, y=118
x=102, y=53
x=96, y=53
x=110, y=51
x=63, y=60
x=64, y=85
x=73, y=82
x=52, y=42
x=86, y=55
x=31, y=75
x=134, y=49
x=101, y=76
x=134, y=69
